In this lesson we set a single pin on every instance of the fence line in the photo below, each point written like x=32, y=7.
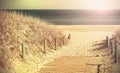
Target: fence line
x=44, y=44
x=114, y=48
x=54, y=46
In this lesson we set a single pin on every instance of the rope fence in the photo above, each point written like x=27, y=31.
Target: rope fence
x=49, y=43
x=114, y=47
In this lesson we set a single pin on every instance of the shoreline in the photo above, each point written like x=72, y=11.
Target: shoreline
x=81, y=28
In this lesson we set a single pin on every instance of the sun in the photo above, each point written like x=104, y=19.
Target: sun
x=98, y=5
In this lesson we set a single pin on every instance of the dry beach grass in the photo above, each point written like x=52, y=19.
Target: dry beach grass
x=17, y=29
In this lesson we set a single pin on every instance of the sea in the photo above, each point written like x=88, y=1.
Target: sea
x=75, y=17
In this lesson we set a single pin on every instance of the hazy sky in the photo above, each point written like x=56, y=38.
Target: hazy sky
x=61, y=4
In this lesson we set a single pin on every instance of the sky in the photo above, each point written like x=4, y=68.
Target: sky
x=60, y=4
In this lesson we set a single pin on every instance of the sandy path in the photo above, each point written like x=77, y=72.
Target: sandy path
x=82, y=42
x=74, y=58
x=70, y=64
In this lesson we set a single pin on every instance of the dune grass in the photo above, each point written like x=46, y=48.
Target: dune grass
x=17, y=29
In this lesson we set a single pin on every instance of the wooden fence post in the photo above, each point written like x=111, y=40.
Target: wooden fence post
x=116, y=52
x=108, y=42
x=44, y=49
x=22, y=49
x=112, y=46
x=98, y=68
x=69, y=36
x=56, y=43
x=63, y=40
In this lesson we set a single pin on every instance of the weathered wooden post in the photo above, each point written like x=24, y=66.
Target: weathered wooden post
x=69, y=36
x=63, y=40
x=112, y=46
x=56, y=43
x=44, y=46
x=22, y=49
x=116, y=52
x=98, y=68
x=108, y=42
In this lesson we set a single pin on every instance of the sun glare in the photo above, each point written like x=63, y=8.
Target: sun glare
x=100, y=5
